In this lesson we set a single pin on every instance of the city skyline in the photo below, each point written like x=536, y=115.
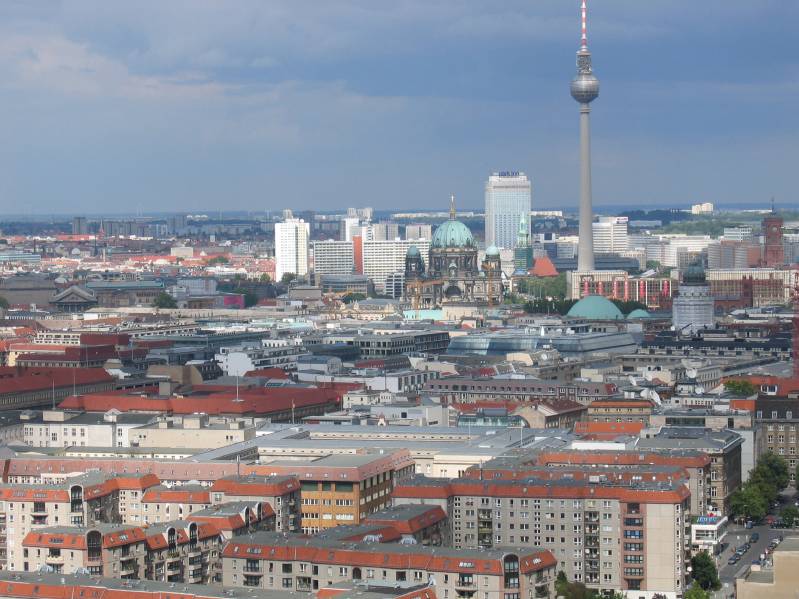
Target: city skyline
x=106, y=109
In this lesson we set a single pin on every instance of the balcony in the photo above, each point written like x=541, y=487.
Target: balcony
x=255, y=570
x=54, y=559
x=467, y=584
x=128, y=567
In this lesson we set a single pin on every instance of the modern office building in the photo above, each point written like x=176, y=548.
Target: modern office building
x=384, y=258
x=291, y=247
x=350, y=227
x=418, y=231
x=507, y=200
x=333, y=257
x=610, y=235
x=79, y=225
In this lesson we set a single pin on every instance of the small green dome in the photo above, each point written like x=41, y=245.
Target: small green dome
x=412, y=251
x=638, y=313
x=492, y=250
x=453, y=234
x=596, y=307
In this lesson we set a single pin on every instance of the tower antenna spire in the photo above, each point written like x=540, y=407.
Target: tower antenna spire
x=452, y=207
x=583, y=24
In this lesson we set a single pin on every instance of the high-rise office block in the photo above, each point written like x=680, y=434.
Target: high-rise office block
x=383, y=258
x=507, y=200
x=79, y=226
x=332, y=257
x=418, y=231
x=585, y=89
x=291, y=247
x=350, y=227
x=610, y=235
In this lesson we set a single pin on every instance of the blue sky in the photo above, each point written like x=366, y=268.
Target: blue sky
x=199, y=105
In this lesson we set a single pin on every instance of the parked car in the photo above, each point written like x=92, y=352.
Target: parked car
x=754, y=538
x=733, y=560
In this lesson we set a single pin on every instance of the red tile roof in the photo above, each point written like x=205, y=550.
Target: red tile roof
x=214, y=399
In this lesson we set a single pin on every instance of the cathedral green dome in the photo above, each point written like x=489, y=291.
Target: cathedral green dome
x=596, y=307
x=412, y=251
x=453, y=234
x=492, y=250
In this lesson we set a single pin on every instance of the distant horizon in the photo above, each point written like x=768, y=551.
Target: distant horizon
x=729, y=207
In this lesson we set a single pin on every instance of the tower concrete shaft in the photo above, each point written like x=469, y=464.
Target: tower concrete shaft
x=585, y=257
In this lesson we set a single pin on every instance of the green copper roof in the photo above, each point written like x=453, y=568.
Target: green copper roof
x=453, y=234
x=595, y=307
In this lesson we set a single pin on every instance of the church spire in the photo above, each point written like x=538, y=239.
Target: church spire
x=452, y=207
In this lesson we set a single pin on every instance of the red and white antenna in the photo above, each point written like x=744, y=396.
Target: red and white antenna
x=583, y=25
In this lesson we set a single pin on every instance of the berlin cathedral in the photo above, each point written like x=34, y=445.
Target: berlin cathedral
x=454, y=274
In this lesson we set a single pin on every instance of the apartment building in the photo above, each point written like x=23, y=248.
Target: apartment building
x=776, y=421
x=270, y=561
x=626, y=535
x=194, y=431
x=59, y=428
x=372, y=475
x=280, y=494
x=178, y=551
x=83, y=500
x=470, y=389
x=620, y=410
x=695, y=463
x=722, y=447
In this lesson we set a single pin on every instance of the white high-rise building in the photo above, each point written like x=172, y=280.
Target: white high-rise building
x=333, y=257
x=418, y=231
x=383, y=258
x=350, y=227
x=508, y=197
x=291, y=247
x=610, y=235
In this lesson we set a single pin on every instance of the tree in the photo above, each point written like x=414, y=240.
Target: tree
x=740, y=388
x=218, y=260
x=3, y=303
x=265, y=278
x=704, y=571
x=790, y=516
x=287, y=278
x=774, y=469
x=652, y=265
x=250, y=298
x=696, y=592
x=561, y=584
x=164, y=300
x=748, y=503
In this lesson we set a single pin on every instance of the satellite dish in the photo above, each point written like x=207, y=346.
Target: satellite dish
x=633, y=381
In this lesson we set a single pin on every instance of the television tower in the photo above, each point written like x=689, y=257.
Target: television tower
x=585, y=89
